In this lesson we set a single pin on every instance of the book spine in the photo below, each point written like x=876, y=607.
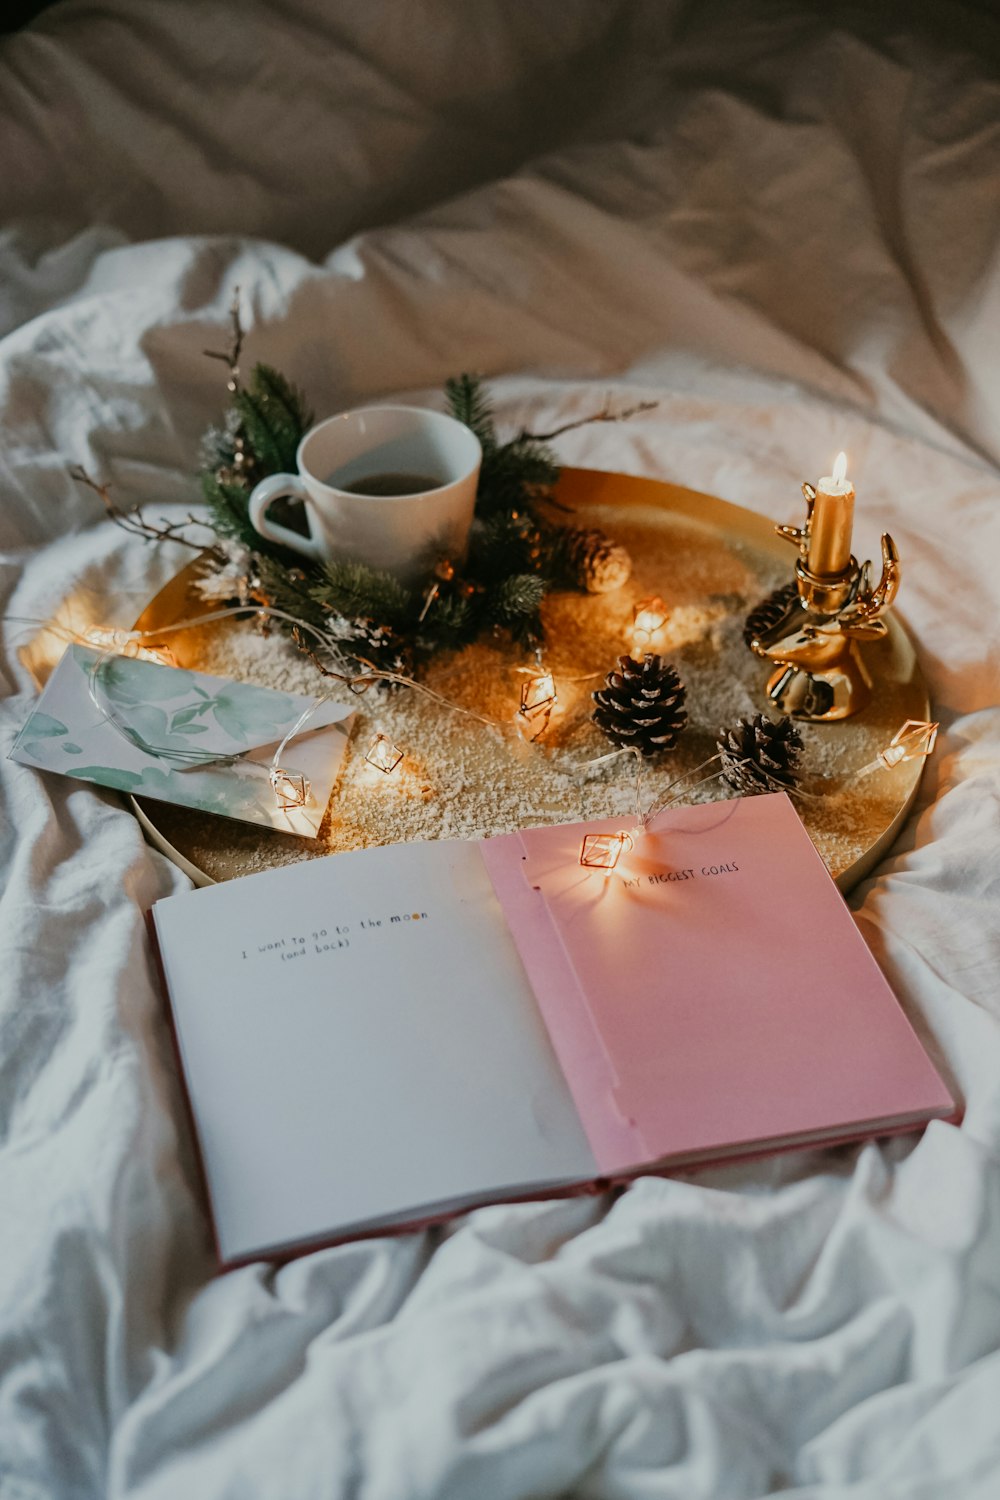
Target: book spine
x=615, y=1138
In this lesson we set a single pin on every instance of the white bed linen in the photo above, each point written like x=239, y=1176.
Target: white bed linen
x=785, y=231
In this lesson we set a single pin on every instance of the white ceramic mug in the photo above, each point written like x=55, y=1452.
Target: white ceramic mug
x=402, y=533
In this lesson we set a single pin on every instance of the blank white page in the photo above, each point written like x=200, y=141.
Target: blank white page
x=360, y=1041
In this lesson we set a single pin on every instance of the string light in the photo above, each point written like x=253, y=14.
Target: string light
x=110, y=641
x=538, y=698
x=538, y=695
x=648, y=620
x=915, y=739
x=383, y=754
x=602, y=851
x=126, y=643
x=291, y=789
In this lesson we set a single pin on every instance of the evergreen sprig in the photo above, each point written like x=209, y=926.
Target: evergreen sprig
x=358, y=592
x=264, y=426
x=518, y=602
x=469, y=404
x=512, y=559
x=514, y=473
x=227, y=506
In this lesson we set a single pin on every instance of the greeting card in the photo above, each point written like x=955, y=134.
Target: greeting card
x=185, y=737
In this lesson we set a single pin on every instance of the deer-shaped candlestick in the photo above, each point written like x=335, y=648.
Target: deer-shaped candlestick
x=819, y=672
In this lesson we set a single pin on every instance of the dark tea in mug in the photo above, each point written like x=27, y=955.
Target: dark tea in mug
x=389, y=484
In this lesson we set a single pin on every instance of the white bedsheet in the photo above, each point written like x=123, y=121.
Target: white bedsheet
x=785, y=231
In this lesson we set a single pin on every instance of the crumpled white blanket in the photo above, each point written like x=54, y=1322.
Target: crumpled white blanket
x=785, y=231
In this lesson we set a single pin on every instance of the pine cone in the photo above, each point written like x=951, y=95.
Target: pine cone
x=768, y=612
x=642, y=706
x=590, y=560
x=759, y=755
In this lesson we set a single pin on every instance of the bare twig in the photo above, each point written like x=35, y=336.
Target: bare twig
x=606, y=414
x=357, y=685
x=546, y=497
x=134, y=522
x=231, y=356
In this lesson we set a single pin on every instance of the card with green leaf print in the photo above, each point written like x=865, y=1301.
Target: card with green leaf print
x=184, y=737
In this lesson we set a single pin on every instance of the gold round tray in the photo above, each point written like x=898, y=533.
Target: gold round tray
x=709, y=561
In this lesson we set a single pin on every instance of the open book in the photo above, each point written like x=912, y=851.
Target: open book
x=382, y=1038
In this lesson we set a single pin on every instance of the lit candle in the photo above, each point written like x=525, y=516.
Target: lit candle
x=831, y=522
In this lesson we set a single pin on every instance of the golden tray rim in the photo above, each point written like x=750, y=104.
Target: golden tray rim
x=579, y=489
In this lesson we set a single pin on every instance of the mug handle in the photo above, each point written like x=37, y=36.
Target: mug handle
x=263, y=496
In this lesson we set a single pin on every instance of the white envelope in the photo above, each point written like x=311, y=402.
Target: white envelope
x=185, y=737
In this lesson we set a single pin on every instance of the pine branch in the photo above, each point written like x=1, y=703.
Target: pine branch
x=283, y=409
x=517, y=596
x=469, y=404
x=451, y=621
x=361, y=593
x=267, y=449
x=513, y=554
x=513, y=472
x=227, y=506
x=290, y=589
x=504, y=543
x=297, y=592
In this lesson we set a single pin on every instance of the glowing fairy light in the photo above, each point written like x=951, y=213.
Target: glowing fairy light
x=537, y=700
x=383, y=754
x=290, y=788
x=126, y=643
x=914, y=740
x=602, y=851
x=537, y=693
x=648, y=619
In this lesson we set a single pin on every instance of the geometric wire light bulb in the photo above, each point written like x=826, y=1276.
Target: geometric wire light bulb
x=125, y=643
x=538, y=697
x=383, y=754
x=537, y=693
x=914, y=740
x=602, y=851
x=648, y=617
x=290, y=788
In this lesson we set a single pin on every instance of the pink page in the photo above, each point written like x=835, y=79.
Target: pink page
x=713, y=993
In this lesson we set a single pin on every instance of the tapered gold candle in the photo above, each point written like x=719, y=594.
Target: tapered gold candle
x=832, y=522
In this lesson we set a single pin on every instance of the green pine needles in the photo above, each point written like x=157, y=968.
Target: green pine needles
x=513, y=553
x=513, y=473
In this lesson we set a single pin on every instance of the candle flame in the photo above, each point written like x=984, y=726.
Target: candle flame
x=840, y=468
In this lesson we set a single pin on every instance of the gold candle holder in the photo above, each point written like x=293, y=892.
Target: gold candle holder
x=819, y=673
